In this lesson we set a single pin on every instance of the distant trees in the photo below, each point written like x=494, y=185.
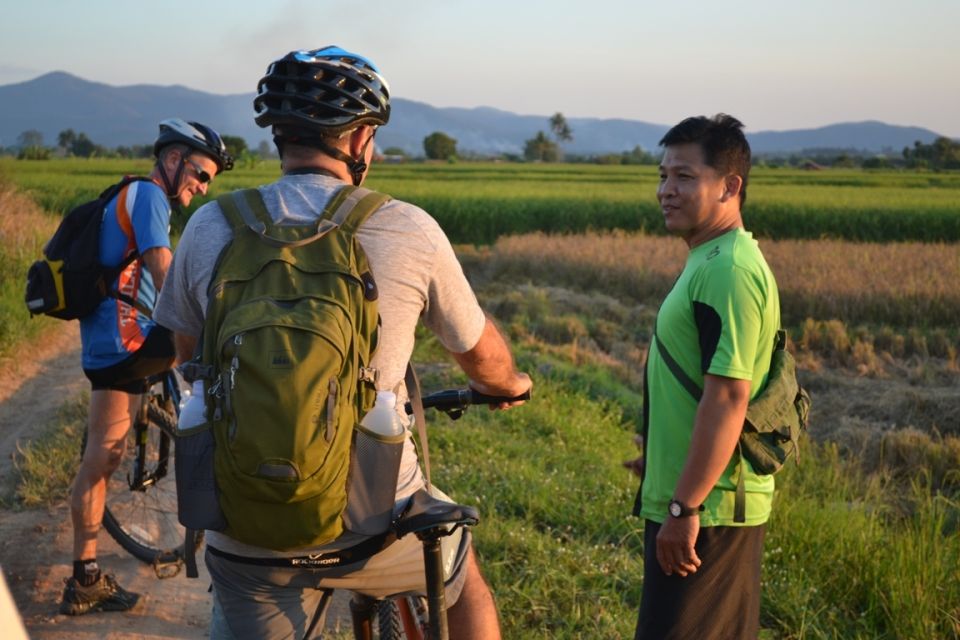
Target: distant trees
x=942, y=153
x=31, y=146
x=541, y=148
x=79, y=145
x=66, y=138
x=439, y=146
x=235, y=145
x=30, y=138
x=637, y=155
x=265, y=150
x=561, y=130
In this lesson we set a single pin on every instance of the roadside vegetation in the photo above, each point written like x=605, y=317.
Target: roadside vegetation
x=865, y=536
x=24, y=228
x=48, y=464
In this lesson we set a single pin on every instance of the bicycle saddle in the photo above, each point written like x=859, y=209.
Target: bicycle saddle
x=424, y=512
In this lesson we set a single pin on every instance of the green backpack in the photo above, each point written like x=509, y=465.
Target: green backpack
x=290, y=331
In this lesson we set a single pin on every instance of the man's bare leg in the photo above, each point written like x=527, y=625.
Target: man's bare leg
x=111, y=414
x=474, y=616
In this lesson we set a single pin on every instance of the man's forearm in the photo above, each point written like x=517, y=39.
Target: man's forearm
x=490, y=365
x=719, y=422
x=158, y=263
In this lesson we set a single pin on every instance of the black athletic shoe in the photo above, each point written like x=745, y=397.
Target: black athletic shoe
x=103, y=595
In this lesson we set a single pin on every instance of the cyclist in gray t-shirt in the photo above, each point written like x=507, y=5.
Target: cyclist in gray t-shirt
x=418, y=277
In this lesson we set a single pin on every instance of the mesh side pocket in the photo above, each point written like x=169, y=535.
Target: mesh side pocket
x=198, y=506
x=372, y=486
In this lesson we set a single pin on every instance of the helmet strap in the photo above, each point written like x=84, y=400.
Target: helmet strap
x=171, y=189
x=356, y=166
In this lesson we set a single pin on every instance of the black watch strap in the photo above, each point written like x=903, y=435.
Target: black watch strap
x=678, y=509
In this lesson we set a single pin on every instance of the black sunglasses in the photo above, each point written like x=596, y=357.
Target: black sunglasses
x=202, y=176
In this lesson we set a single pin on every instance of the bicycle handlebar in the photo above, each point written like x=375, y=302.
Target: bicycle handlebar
x=454, y=402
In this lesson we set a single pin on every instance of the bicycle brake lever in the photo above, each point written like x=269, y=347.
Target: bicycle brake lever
x=454, y=414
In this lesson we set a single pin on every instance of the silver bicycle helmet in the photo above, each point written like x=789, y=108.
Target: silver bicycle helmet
x=197, y=136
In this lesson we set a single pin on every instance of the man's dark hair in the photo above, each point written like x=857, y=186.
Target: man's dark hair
x=725, y=148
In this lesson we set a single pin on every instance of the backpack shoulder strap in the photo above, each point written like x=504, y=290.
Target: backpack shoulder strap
x=352, y=206
x=245, y=208
x=119, y=191
x=348, y=209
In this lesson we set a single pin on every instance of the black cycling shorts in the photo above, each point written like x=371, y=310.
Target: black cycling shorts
x=721, y=601
x=155, y=356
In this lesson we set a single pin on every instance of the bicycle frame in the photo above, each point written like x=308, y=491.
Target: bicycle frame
x=143, y=477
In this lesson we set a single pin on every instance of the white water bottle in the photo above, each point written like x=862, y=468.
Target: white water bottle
x=191, y=407
x=375, y=464
x=383, y=419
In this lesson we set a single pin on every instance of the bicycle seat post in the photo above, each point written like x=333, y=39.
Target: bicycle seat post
x=436, y=600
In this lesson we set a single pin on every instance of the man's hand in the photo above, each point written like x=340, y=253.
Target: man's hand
x=519, y=385
x=637, y=464
x=675, y=546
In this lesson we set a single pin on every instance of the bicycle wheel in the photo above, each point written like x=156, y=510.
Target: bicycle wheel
x=403, y=618
x=141, y=507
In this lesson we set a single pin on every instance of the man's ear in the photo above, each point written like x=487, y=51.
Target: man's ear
x=731, y=187
x=358, y=139
x=170, y=159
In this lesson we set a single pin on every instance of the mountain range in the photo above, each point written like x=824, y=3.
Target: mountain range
x=113, y=116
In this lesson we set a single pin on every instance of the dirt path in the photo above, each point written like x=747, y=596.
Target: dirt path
x=34, y=382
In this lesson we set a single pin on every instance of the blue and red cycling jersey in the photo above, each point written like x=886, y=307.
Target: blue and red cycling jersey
x=138, y=219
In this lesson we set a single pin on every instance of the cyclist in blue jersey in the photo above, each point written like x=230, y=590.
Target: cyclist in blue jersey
x=122, y=345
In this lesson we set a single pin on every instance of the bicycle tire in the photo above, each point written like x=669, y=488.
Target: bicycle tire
x=390, y=622
x=144, y=523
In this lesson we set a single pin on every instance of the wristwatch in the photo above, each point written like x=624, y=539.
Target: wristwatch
x=679, y=510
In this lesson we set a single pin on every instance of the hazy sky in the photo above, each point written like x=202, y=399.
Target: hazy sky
x=775, y=65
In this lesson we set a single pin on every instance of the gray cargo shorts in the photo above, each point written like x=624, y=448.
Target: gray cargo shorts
x=252, y=601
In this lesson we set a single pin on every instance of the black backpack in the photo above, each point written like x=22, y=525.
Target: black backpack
x=69, y=281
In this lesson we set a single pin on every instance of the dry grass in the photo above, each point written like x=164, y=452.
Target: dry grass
x=900, y=284
x=24, y=228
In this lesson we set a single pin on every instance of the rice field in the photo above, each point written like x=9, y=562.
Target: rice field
x=477, y=203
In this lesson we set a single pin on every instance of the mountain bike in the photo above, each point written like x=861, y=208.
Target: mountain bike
x=430, y=519
x=141, y=503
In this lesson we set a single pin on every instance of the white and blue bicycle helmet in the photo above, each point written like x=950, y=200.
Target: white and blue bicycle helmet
x=194, y=135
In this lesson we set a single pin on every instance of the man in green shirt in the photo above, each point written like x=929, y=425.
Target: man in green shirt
x=718, y=324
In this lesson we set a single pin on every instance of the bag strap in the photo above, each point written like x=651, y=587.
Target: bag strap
x=740, y=499
x=413, y=393
x=685, y=381
x=357, y=206
x=245, y=208
x=348, y=209
x=119, y=191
